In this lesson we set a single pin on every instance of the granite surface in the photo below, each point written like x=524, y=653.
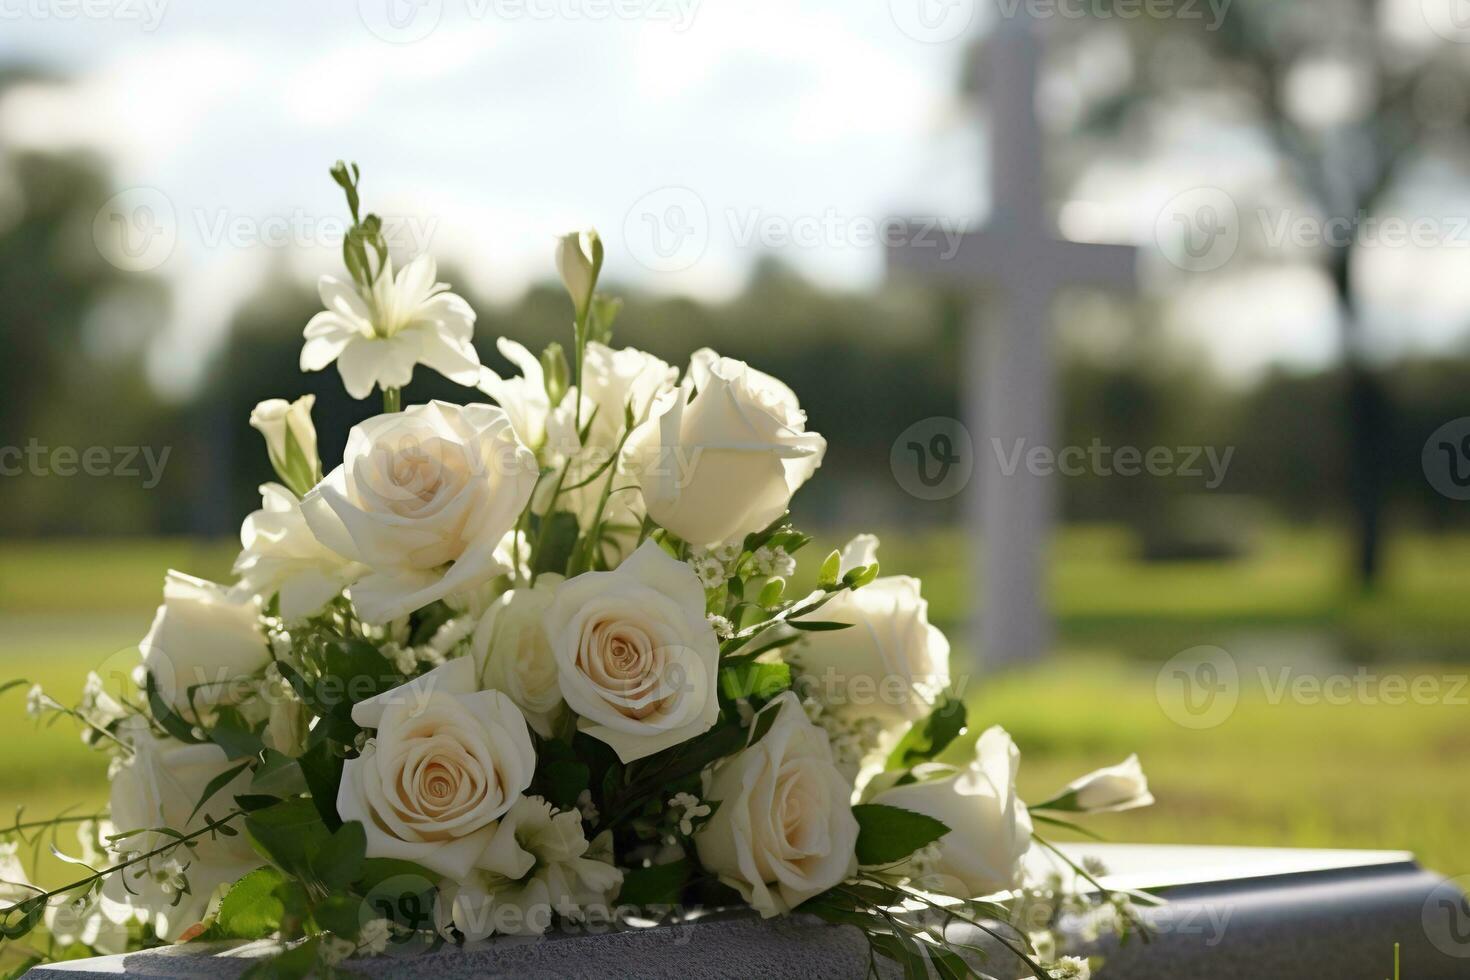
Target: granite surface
x=1257, y=913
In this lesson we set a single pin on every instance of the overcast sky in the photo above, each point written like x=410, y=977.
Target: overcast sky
x=695, y=134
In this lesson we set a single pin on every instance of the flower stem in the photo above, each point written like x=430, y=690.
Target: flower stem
x=392, y=400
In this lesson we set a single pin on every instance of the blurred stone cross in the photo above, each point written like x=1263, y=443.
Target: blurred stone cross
x=1007, y=360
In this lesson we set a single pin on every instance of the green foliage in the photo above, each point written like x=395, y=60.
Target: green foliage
x=660, y=884
x=889, y=834
x=253, y=908
x=555, y=540
x=930, y=735
x=288, y=835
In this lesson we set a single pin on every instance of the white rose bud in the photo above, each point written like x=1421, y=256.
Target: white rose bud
x=423, y=498
x=578, y=262
x=290, y=439
x=446, y=763
x=890, y=665
x=1120, y=787
x=512, y=654
x=635, y=656
x=784, y=829
x=722, y=455
x=204, y=645
x=989, y=827
x=158, y=785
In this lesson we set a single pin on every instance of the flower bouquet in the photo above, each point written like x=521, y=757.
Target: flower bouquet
x=533, y=662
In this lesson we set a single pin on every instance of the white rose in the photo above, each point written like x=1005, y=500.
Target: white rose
x=290, y=440
x=722, y=455
x=281, y=556
x=1115, y=788
x=512, y=654
x=204, y=642
x=635, y=656
x=784, y=829
x=538, y=865
x=159, y=786
x=424, y=498
x=447, y=762
x=891, y=664
x=989, y=827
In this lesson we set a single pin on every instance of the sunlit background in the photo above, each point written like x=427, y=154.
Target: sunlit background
x=1294, y=176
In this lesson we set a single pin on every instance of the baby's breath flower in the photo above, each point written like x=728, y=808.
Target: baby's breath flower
x=1071, y=968
x=723, y=628
x=334, y=949
x=36, y=701
x=710, y=573
x=588, y=809
x=692, y=810
x=373, y=938
x=727, y=553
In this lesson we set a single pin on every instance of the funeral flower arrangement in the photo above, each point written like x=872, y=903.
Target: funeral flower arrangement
x=536, y=662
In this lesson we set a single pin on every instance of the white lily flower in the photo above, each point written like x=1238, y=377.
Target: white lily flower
x=377, y=339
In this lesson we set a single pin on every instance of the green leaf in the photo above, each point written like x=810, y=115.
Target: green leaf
x=322, y=769
x=165, y=716
x=288, y=834
x=278, y=775
x=22, y=917
x=817, y=625
x=858, y=577
x=831, y=570
x=749, y=679
x=564, y=780
x=230, y=733
x=887, y=834
x=339, y=861
x=251, y=909
x=931, y=735
x=660, y=884
x=555, y=543
x=771, y=592
x=341, y=915
x=215, y=785
x=377, y=870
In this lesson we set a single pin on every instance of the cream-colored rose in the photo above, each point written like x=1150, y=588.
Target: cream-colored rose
x=635, y=656
x=989, y=827
x=512, y=654
x=280, y=556
x=290, y=440
x=1109, y=790
x=891, y=664
x=721, y=456
x=784, y=829
x=158, y=785
x=538, y=866
x=423, y=498
x=446, y=762
x=205, y=644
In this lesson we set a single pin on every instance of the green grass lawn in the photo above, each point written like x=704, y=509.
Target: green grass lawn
x=1338, y=775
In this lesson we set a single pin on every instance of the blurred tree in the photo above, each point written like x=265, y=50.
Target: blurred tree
x=1348, y=101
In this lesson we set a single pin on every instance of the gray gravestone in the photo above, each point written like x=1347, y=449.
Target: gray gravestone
x=1257, y=913
x=1007, y=355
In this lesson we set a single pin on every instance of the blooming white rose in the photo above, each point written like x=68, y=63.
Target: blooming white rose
x=891, y=664
x=721, y=456
x=204, y=642
x=447, y=762
x=989, y=827
x=539, y=864
x=404, y=320
x=424, y=498
x=1108, y=790
x=280, y=556
x=784, y=829
x=158, y=785
x=635, y=656
x=290, y=440
x=512, y=654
